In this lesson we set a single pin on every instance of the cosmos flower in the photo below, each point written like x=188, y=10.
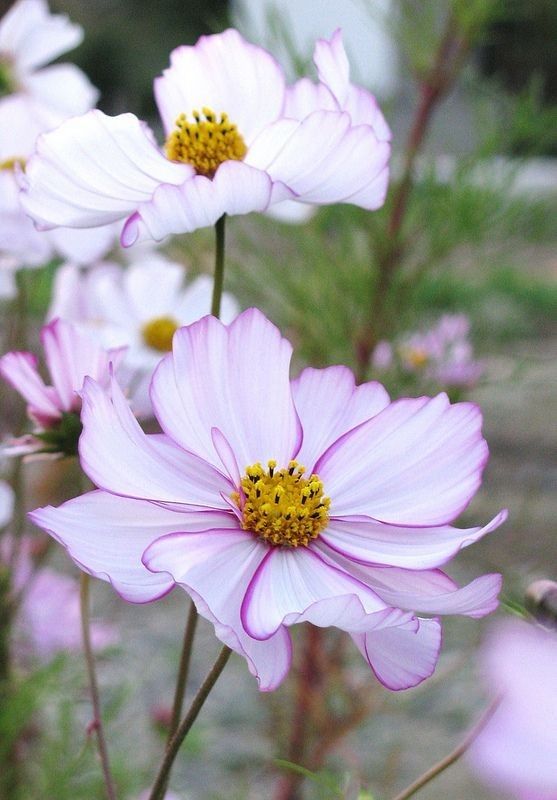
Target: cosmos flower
x=139, y=307
x=54, y=409
x=275, y=502
x=441, y=357
x=236, y=142
x=517, y=750
x=34, y=99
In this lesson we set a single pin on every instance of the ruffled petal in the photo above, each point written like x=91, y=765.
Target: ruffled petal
x=33, y=37
x=215, y=569
x=95, y=169
x=326, y=160
x=297, y=585
x=415, y=548
x=226, y=74
x=106, y=536
x=198, y=203
x=334, y=72
x=402, y=658
x=20, y=370
x=428, y=591
x=119, y=457
x=216, y=369
x=418, y=462
x=347, y=406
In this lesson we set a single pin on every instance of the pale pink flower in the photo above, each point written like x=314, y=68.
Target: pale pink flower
x=34, y=99
x=221, y=504
x=268, y=147
x=517, y=750
x=54, y=409
x=441, y=357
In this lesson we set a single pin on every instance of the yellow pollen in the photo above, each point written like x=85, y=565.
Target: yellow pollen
x=158, y=333
x=206, y=142
x=10, y=164
x=281, y=506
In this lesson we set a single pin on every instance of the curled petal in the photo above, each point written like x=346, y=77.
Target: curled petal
x=402, y=658
x=20, y=370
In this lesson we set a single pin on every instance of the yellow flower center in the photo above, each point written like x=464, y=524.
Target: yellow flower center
x=281, y=506
x=206, y=142
x=10, y=164
x=416, y=357
x=158, y=333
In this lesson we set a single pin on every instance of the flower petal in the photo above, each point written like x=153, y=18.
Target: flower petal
x=64, y=88
x=32, y=36
x=402, y=658
x=225, y=73
x=20, y=370
x=95, y=169
x=295, y=585
x=347, y=406
x=415, y=548
x=215, y=369
x=199, y=202
x=119, y=457
x=418, y=462
x=215, y=568
x=106, y=536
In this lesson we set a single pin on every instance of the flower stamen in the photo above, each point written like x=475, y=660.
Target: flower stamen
x=281, y=506
x=205, y=143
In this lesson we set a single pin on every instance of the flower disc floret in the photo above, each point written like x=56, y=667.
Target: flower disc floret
x=205, y=143
x=158, y=333
x=281, y=506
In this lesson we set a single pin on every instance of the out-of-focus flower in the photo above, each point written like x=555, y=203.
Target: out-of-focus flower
x=439, y=358
x=517, y=750
x=70, y=355
x=6, y=503
x=139, y=307
x=222, y=504
x=237, y=140
x=34, y=99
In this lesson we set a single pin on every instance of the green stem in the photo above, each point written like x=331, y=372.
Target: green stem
x=219, y=266
x=97, y=724
x=453, y=756
x=159, y=787
x=183, y=671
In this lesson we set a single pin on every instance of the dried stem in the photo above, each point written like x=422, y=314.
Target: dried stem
x=449, y=759
x=97, y=724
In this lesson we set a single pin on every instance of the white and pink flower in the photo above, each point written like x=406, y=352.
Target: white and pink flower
x=54, y=409
x=238, y=140
x=517, y=750
x=222, y=504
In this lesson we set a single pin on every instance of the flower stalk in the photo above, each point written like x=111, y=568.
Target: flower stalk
x=97, y=724
x=159, y=787
x=219, y=266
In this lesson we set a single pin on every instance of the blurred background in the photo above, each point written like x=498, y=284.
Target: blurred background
x=479, y=239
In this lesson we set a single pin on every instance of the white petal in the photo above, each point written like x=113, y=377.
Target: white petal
x=64, y=88
x=305, y=96
x=119, y=457
x=402, y=658
x=215, y=569
x=20, y=370
x=226, y=74
x=346, y=406
x=372, y=542
x=232, y=378
x=199, y=202
x=295, y=585
x=82, y=246
x=94, y=170
x=418, y=462
x=106, y=536
x=32, y=36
